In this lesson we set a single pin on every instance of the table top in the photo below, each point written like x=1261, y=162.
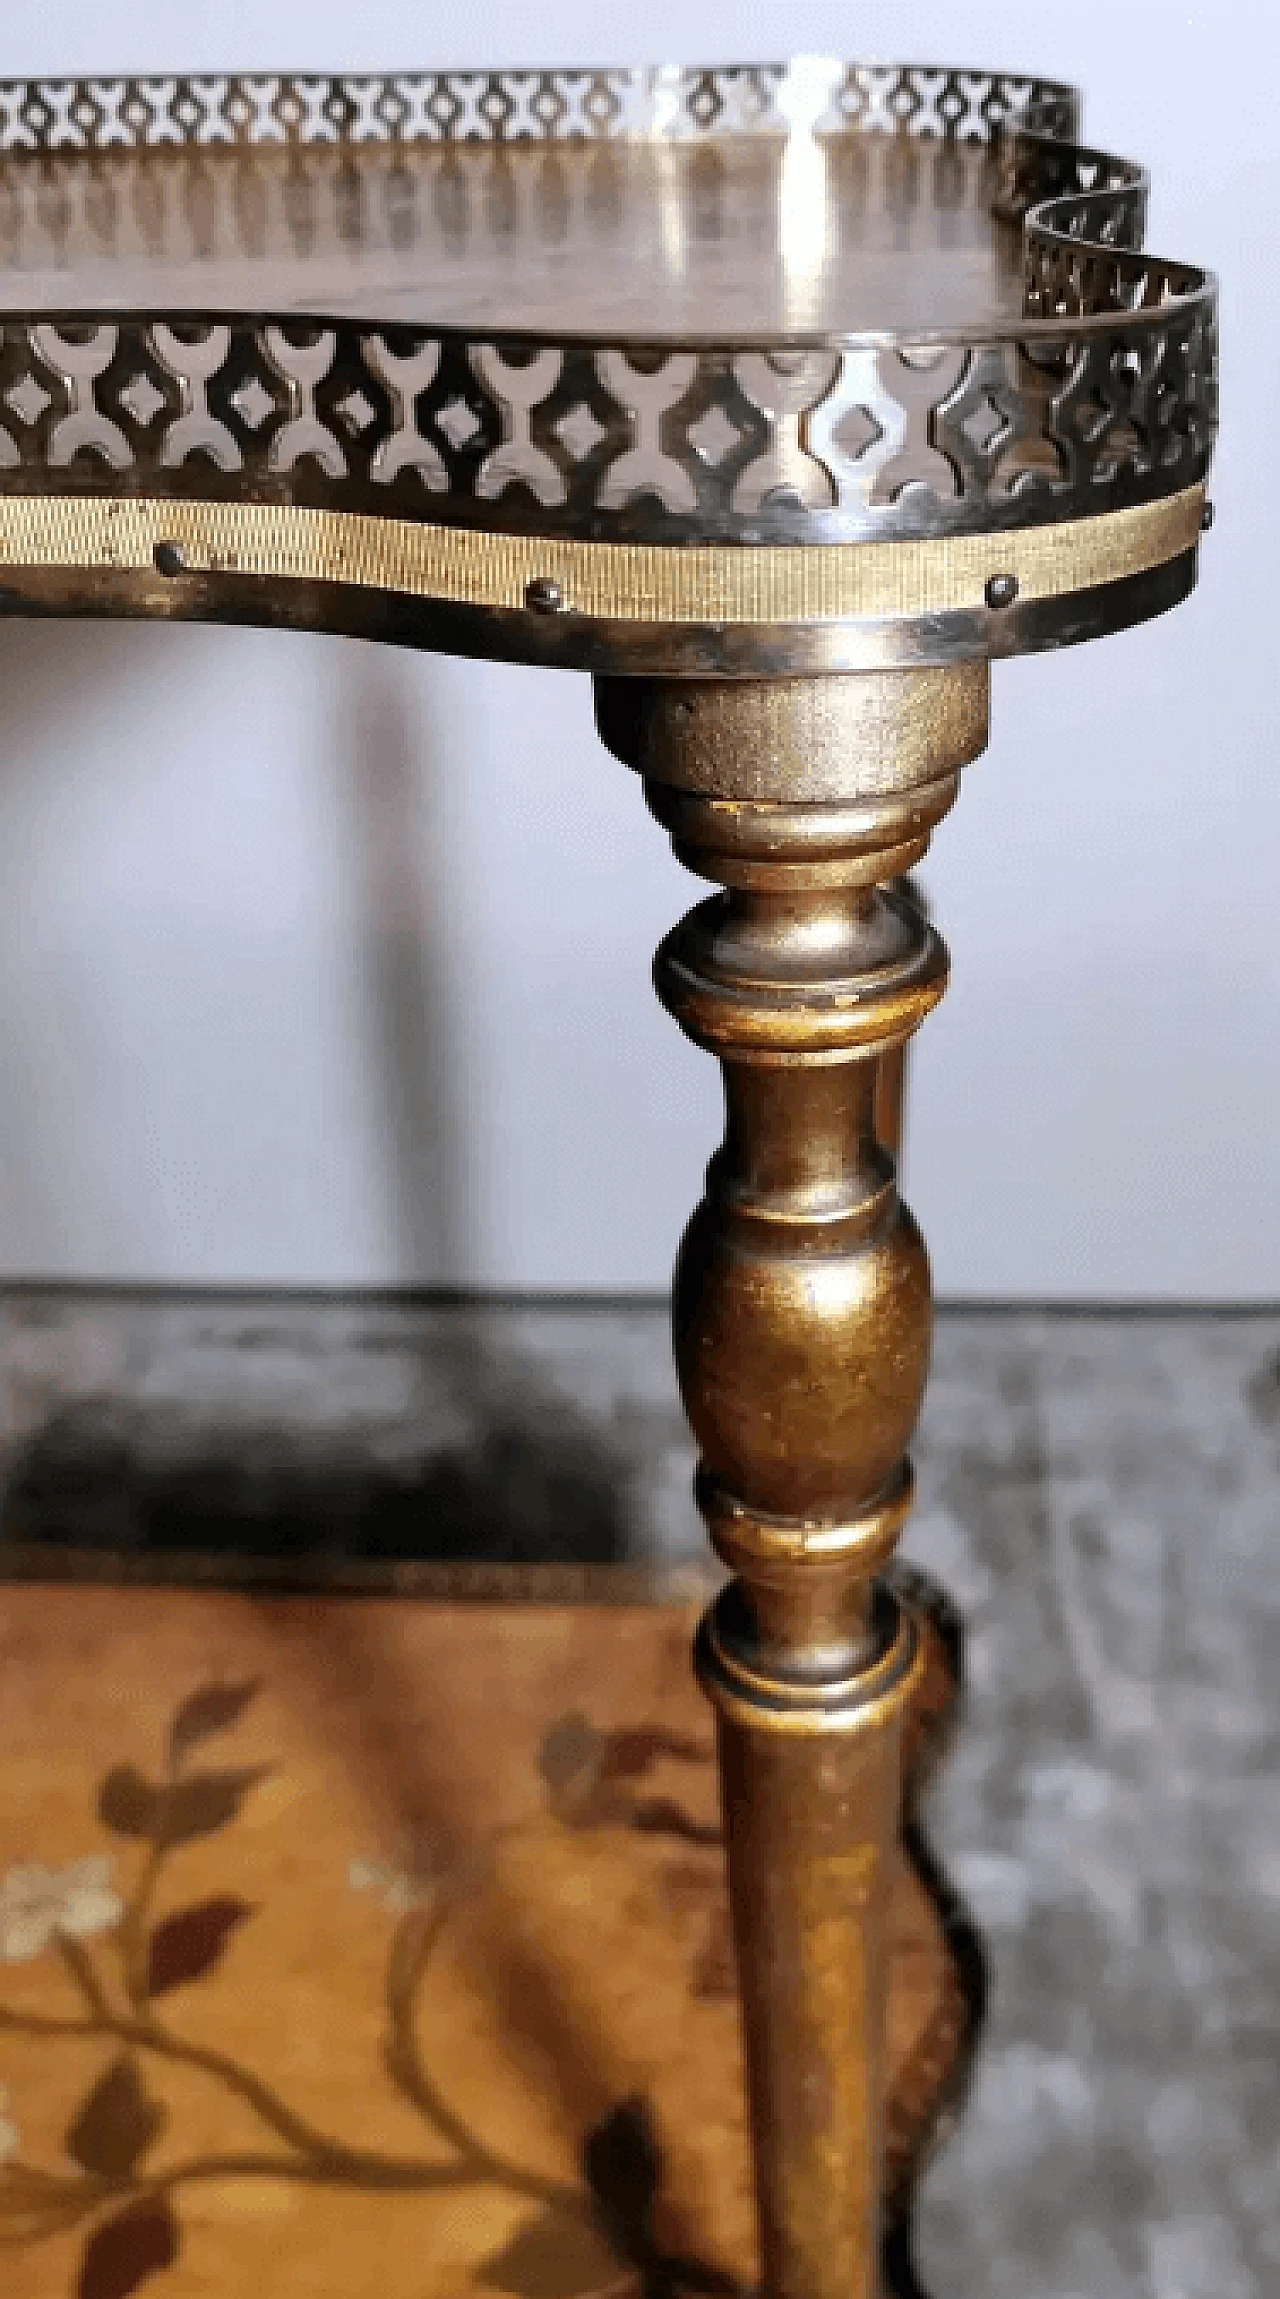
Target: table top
x=748, y=238
x=623, y=369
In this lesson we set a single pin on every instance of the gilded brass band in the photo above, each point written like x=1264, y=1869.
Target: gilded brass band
x=643, y=583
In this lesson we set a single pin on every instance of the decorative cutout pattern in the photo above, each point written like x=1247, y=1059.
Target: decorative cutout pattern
x=405, y=448
x=193, y=362
x=208, y=109
x=301, y=367
x=784, y=386
x=517, y=387
x=85, y=429
x=1104, y=396
x=647, y=467
x=816, y=445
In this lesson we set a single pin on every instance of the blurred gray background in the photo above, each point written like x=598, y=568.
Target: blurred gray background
x=324, y=964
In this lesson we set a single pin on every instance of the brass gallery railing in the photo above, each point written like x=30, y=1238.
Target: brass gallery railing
x=1101, y=397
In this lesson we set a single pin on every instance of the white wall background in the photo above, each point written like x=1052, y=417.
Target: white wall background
x=326, y=964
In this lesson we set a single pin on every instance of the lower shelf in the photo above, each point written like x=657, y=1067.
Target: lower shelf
x=377, y=1944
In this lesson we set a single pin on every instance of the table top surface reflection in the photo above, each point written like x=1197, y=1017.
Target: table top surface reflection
x=745, y=236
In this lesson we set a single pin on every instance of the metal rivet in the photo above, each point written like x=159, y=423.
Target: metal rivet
x=544, y=595
x=1207, y=517
x=170, y=559
x=1001, y=590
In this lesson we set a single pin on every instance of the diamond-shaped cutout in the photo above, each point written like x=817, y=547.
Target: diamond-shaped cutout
x=459, y=423
x=601, y=105
x=237, y=109
x=392, y=110
x=857, y=431
x=713, y=435
x=36, y=114
x=1168, y=406
x=252, y=403
x=28, y=399
x=141, y=400
x=339, y=110
x=444, y=109
x=496, y=106
x=1091, y=418
x=579, y=431
x=87, y=115
x=548, y=106
x=984, y=423
x=356, y=411
x=288, y=110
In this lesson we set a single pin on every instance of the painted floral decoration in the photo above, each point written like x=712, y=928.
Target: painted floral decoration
x=121, y=1962
x=38, y=1903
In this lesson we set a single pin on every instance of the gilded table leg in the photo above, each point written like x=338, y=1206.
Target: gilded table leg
x=891, y=1070
x=802, y=1324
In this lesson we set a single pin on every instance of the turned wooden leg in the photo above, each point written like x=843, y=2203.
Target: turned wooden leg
x=802, y=1325
x=891, y=1069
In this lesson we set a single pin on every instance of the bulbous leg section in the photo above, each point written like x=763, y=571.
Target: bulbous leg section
x=802, y=1324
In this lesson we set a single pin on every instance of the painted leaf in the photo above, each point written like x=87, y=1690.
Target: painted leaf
x=555, y=2257
x=569, y=1746
x=124, y=2252
x=212, y=1708
x=623, y=2168
x=131, y=1805
x=205, y=1803
x=186, y=1946
x=127, y=1803
x=663, y=1816
x=117, y=2124
x=632, y=1751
